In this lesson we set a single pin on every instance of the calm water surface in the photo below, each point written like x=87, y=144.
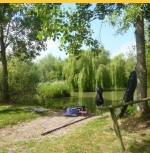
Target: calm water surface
x=87, y=99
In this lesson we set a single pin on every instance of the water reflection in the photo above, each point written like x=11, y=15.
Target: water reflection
x=87, y=99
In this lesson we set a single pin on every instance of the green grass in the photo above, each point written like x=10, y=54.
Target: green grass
x=96, y=136
x=92, y=137
x=13, y=114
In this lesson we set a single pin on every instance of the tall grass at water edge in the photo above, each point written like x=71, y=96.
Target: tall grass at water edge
x=57, y=90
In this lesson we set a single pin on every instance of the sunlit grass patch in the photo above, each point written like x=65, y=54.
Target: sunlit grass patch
x=10, y=115
x=92, y=137
x=95, y=136
x=17, y=147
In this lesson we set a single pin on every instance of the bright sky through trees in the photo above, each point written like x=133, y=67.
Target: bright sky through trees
x=104, y=33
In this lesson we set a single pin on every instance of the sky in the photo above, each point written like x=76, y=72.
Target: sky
x=115, y=44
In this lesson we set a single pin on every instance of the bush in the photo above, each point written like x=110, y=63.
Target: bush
x=56, y=90
x=23, y=79
x=131, y=110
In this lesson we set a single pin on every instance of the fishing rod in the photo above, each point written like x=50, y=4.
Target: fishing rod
x=67, y=125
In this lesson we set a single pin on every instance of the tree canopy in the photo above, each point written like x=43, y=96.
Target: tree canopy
x=77, y=30
x=25, y=28
x=19, y=27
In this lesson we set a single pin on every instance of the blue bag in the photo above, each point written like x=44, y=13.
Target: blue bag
x=71, y=111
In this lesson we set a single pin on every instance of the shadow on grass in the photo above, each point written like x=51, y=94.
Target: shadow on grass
x=138, y=126
x=10, y=111
x=136, y=123
x=16, y=110
x=141, y=146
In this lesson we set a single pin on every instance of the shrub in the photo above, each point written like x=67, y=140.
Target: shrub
x=55, y=90
x=23, y=79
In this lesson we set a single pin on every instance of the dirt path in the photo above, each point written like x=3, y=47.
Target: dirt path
x=32, y=130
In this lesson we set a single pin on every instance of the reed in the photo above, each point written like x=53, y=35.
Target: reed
x=55, y=90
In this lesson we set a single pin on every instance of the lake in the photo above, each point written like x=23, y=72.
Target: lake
x=87, y=99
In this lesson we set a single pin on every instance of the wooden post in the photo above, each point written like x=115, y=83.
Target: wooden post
x=113, y=116
x=116, y=127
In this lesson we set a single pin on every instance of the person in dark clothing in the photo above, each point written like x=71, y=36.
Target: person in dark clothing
x=129, y=94
x=99, y=97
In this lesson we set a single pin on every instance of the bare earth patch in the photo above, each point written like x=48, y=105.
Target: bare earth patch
x=32, y=130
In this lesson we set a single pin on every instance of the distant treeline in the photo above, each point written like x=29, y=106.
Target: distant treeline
x=75, y=73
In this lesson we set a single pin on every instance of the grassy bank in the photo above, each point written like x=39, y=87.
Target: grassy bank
x=96, y=136
x=14, y=114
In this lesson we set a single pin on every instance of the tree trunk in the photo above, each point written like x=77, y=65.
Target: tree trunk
x=141, y=66
x=5, y=92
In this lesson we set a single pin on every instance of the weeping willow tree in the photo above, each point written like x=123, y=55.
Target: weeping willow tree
x=85, y=73
x=117, y=71
x=78, y=73
x=70, y=72
x=100, y=67
x=130, y=62
x=88, y=71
